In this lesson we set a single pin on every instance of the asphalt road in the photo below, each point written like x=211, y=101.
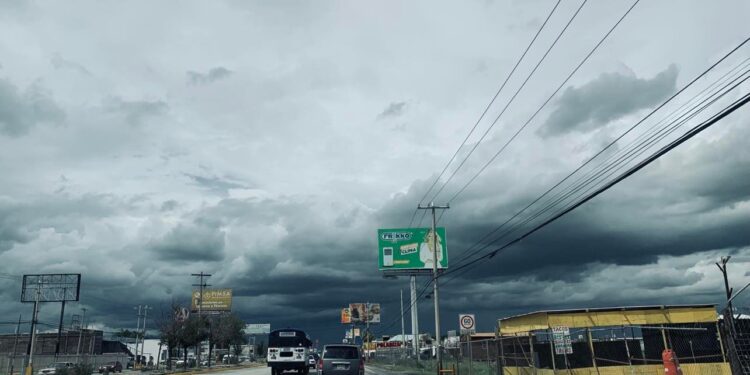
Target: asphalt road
x=267, y=371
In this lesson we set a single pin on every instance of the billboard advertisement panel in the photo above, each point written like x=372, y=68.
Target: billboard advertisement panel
x=346, y=316
x=363, y=313
x=214, y=300
x=410, y=248
x=257, y=329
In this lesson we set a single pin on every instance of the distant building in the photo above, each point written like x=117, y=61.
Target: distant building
x=71, y=342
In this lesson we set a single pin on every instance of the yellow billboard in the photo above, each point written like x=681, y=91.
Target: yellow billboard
x=213, y=300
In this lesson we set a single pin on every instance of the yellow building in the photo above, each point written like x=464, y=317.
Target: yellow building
x=608, y=341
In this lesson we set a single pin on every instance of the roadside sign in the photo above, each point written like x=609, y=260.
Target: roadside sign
x=180, y=314
x=363, y=312
x=467, y=323
x=257, y=329
x=561, y=338
x=346, y=316
x=212, y=300
x=410, y=248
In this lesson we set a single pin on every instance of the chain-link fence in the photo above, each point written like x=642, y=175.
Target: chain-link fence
x=736, y=333
x=10, y=364
x=602, y=350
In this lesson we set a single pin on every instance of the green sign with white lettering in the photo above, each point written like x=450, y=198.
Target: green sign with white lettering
x=410, y=248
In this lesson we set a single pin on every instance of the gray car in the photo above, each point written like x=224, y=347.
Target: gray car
x=341, y=360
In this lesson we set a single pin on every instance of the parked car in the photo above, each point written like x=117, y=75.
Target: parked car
x=114, y=366
x=312, y=360
x=55, y=368
x=341, y=360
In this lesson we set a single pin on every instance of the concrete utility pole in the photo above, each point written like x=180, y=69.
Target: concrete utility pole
x=29, y=368
x=200, y=286
x=403, y=332
x=60, y=326
x=438, y=349
x=414, y=316
x=143, y=335
x=137, y=333
x=80, y=336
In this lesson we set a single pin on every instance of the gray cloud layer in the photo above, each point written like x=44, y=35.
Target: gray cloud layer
x=211, y=76
x=22, y=110
x=607, y=98
x=275, y=180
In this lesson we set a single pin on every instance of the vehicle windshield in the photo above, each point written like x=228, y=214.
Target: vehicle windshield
x=59, y=365
x=340, y=352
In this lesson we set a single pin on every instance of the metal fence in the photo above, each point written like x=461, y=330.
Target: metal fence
x=736, y=334
x=611, y=350
x=10, y=364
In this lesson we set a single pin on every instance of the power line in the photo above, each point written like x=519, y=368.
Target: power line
x=481, y=117
x=691, y=133
x=510, y=101
x=668, y=100
x=601, y=41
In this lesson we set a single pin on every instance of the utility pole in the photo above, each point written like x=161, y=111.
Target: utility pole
x=29, y=367
x=15, y=343
x=143, y=335
x=80, y=336
x=60, y=326
x=403, y=332
x=438, y=349
x=137, y=334
x=723, y=269
x=200, y=286
x=414, y=316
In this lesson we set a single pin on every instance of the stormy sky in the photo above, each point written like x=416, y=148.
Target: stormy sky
x=265, y=143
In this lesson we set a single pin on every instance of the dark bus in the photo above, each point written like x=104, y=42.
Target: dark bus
x=288, y=350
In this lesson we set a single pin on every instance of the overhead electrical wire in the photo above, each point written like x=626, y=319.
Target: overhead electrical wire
x=515, y=135
x=481, y=117
x=510, y=101
x=634, y=152
x=663, y=150
x=685, y=87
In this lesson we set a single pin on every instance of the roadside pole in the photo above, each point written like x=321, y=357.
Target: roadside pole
x=201, y=285
x=80, y=335
x=136, y=361
x=143, y=335
x=414, y=316
x=438, y=348
x=403, y=332
x=30, y=366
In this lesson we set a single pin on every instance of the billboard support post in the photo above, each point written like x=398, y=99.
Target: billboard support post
x=436, y=299
x=30, y=366
x=201, y=285
x=414, y=316
x=403, y=332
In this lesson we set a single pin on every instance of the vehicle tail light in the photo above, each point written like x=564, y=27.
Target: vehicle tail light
x=320, y=364
x=362, y=365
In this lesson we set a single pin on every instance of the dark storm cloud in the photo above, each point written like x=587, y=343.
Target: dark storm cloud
x=607, y=98
x=22, y=110
x=220, y=186
x=187, y=243
x=213, y=75
x=137, y=111
x=20, y=222
x=394, y=109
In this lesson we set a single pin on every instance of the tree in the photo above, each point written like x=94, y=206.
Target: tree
x=169, y=330
x=227, y=331
x=193, y=331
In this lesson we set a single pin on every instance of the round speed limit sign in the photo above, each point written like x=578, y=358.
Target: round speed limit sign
x=467, y=322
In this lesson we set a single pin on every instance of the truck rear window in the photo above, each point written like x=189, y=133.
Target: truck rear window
x=341, y=352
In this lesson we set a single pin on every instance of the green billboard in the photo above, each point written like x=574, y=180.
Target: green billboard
x=410, y=248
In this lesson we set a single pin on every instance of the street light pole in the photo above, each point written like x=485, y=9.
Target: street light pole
x=438, y=349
